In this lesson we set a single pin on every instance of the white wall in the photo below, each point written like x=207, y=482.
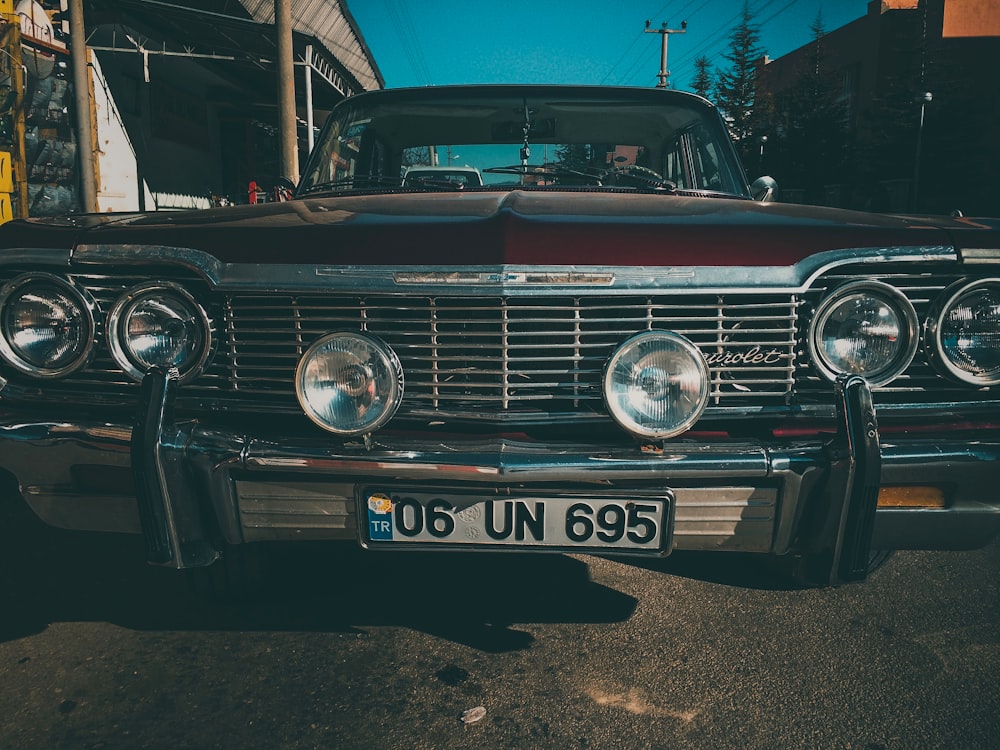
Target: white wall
x=118, y=188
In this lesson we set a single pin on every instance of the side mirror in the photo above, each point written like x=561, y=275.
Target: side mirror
x=764, y=189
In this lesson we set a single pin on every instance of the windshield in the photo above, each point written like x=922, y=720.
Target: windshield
x=481, y=139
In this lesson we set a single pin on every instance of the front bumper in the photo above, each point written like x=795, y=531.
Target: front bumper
x=190, y=489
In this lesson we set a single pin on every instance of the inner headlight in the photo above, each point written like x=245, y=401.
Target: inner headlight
x=159, y=325
x=656, y=384
x=864, y=328
x=964, y=332
x=349, y=383
x=46, y=325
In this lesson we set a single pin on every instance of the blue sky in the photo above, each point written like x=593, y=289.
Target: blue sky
x=436, y=42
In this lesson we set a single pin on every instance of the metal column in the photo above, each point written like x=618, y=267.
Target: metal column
x=81, y=91
x=287, y=127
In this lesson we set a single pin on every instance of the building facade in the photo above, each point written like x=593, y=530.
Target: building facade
x=904, y=110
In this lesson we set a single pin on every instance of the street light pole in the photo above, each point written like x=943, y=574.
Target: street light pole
x=923, y=100
x=664, y=32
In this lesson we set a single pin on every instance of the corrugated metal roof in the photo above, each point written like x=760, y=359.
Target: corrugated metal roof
x=331, y=23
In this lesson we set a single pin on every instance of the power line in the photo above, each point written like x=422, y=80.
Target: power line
x=624, y=54
x=778, y=12
x=635, y=40
x=408, y=42
x=714, y=42
x=713, y=45
x=683, y=11
x=686, y=12
x=637, y=60
x=415, y=39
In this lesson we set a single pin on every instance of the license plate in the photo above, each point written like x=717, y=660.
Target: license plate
x=421, y=517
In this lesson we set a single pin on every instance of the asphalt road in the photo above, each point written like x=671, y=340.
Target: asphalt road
x=346, y=650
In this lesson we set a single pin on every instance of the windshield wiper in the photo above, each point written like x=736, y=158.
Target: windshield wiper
x=356, y=183
x=544, y=170
x=628, y=176
x=631, y=175
x=707, y=193
x=442, y=183
x=640, y=177
x=352, y=182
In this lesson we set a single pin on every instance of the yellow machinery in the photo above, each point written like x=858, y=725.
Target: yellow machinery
x=13, y=165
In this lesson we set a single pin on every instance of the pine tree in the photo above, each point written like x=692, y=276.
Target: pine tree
x=735, y=86
x=815, y=125
x=702, y=84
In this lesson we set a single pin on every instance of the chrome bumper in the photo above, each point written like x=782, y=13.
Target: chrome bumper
x=188, y=488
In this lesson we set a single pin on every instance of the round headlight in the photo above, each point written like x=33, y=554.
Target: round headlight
x=656, y=384
x=349, y=383
x=964, y=332
x=46, y=325
x=159, y=325
x=864, y=328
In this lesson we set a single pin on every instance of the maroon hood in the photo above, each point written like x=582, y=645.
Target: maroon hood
x=519, y=227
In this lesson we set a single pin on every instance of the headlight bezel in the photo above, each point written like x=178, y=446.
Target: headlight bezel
x=695, y=358
x=934, y=346
x=118, y=317
x=389, y=360
x=90, y=315
x=886, y=293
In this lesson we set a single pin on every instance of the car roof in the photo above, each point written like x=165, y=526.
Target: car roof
x=430, y=93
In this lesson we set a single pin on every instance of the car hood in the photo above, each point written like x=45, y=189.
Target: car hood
x=508, y=227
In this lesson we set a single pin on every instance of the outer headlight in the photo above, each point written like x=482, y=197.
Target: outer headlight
x=159, y=325
x=864, y=328
x=349, y=383
x=46, y=325
x=963, y=332
x=656, y=384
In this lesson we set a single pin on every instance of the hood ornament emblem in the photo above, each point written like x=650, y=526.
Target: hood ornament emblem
x=563, y=278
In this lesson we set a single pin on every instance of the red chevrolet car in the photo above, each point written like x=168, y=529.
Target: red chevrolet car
x=611, y=345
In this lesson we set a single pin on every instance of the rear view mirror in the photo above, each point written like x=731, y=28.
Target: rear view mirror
x=510, y=131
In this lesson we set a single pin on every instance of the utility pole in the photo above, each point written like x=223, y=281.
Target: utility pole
x=664, y=33
x=287, y=127
x=81, y=93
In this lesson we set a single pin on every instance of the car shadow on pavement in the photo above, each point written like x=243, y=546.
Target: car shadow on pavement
x=49, y=576
x=745, y=570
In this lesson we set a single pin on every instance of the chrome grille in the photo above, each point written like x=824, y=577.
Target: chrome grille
x=517, y=354
x=531, y=358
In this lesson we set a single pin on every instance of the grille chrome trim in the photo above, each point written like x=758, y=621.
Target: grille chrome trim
x=368, y=279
